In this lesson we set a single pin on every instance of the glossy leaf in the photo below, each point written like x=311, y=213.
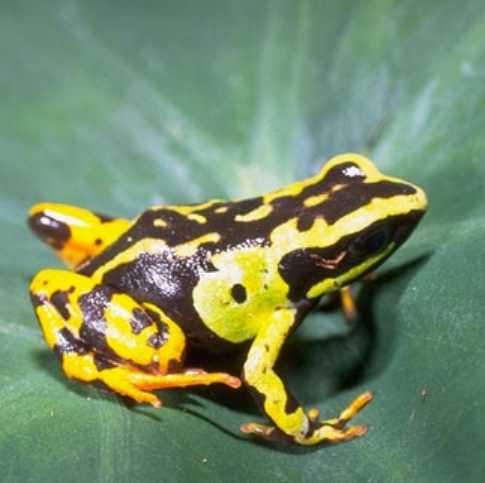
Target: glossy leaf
x=118, y=105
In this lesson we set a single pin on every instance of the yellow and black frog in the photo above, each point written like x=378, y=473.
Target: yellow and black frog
x=214, y=276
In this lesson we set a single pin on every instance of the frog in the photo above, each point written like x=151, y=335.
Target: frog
x=221, y=277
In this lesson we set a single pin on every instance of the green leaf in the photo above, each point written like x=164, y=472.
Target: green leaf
x=118, y=105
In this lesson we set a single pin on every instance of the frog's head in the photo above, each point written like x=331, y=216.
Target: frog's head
x=355, y=218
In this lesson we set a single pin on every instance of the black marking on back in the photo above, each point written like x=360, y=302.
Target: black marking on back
x=60, y=300
x=349, y=199
x=346, y=201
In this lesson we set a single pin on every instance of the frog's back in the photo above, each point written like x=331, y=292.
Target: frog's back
x=215, y=267
x=161, y=258
x=185, y=260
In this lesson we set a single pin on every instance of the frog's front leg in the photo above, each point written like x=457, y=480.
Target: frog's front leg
x=348, y=304
x=102, y=335
x=290, y=419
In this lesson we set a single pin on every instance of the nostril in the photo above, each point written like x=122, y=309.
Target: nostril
x=48, y=229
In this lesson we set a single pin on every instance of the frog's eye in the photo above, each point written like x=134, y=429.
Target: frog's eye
x=371, y=242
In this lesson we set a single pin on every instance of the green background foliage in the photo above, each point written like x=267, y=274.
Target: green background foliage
x=118, y=105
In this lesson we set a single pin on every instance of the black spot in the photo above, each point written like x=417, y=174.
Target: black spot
x=305, y=221
x=98, y=242
x=60, y=301
x=66, y=342
x=238, y=293
x=162, y=326
x=37, y=299
x=104, y=218
x=53, y=232
x=156, y=340
x=101, y=363
x=139, y=321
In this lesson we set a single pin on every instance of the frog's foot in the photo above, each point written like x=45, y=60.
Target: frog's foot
x=101, y=335
x=88, y=367
x=347, y=300
x=334, y=430
x=323, y=435
x=359, y=403
x=330, y=431
x=289, y=418
x=151, y=382
x=135, y=383
x=75, y=234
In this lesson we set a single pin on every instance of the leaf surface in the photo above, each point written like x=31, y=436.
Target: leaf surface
x=116, y=106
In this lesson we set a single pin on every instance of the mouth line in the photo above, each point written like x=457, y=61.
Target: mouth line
x=329, y=263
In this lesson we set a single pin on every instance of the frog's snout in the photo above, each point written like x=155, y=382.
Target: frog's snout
x=416, y=205
x=49, y=228
x=420, y=199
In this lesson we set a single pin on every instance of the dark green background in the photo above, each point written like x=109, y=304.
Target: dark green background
x=118, y=105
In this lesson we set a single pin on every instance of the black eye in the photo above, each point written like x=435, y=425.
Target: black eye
x=370, y=243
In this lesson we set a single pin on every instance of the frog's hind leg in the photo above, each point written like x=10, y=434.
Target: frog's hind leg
x=101, y=335
x=75, y=234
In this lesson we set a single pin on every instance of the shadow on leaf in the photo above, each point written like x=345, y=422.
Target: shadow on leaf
x=320, y=368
